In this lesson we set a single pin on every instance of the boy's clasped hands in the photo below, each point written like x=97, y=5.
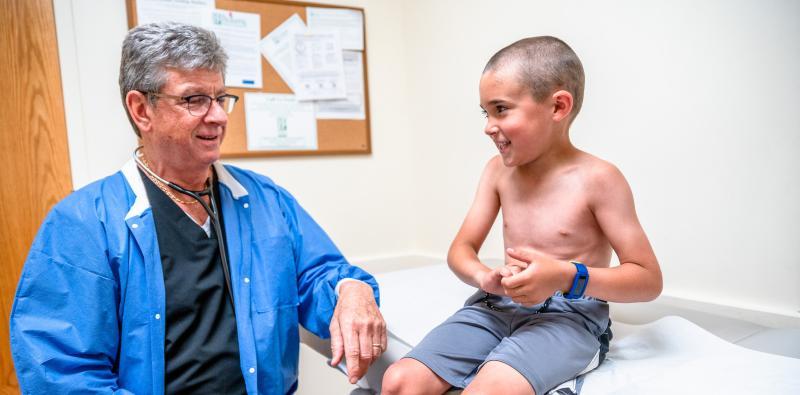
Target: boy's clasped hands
x=528, y=277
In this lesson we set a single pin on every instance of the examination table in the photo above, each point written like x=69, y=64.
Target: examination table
x=657, y=347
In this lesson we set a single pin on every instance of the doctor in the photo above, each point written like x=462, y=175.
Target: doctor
x=179, y=274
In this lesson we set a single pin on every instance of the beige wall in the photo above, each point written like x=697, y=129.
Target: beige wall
x=696, y=102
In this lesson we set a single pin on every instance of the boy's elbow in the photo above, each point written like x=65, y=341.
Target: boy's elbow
x=656, y=286
x=453, y=253
x=654, y=292
x=451, y=257
x=649, y=282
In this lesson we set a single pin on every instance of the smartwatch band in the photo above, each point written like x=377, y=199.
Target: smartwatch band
x=579, y=283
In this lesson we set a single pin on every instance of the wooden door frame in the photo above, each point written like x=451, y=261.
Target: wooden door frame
x=33, y=143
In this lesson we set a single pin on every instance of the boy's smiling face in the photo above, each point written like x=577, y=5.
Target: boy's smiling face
x=520, y=127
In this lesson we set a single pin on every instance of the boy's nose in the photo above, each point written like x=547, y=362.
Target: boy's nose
x=490, y=129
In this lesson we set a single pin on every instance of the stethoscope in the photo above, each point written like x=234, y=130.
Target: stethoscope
x=211, y=210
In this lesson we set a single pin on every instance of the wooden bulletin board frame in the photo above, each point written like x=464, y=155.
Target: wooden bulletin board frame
x=334, y=136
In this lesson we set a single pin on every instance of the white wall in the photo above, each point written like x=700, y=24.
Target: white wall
x=696, y=102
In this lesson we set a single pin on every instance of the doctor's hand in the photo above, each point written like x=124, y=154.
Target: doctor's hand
x=542, y=277
x=358, y=331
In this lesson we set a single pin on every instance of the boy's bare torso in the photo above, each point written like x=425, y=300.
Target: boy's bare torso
x=551, y=212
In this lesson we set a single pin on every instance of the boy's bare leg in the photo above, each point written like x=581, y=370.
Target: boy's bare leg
x=409, y=376
x=498, y=378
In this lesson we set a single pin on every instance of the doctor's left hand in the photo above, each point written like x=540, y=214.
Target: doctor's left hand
x=358, y=331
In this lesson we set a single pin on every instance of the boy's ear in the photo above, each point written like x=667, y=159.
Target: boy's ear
x=562, y=105
x=138, y=108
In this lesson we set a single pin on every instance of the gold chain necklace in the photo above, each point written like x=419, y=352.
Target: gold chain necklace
x=163, y=187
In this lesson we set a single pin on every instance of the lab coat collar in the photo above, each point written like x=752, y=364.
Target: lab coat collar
x=226, y=178
x=131, y=173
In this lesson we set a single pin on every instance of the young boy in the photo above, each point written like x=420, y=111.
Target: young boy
x=542, y=319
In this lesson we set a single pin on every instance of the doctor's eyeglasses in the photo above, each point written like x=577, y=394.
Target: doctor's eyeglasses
x=198, y=105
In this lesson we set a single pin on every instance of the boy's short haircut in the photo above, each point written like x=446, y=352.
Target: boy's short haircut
x=544, y=64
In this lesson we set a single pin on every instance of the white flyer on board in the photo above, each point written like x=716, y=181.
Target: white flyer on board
x=192, y=12
x=349, y=24
x=317, y=60
x=239, y=33
x=351, y=107
x=277, y=121
x=277, y=48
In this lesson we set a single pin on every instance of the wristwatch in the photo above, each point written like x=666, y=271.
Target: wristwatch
x=579, y=283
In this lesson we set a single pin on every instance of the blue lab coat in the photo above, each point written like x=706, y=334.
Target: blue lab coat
x=88, y=316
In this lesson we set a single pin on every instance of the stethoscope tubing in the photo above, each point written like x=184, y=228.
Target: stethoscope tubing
x=211, y=210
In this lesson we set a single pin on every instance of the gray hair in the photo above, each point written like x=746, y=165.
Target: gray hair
x=544, y=64
x=148, y=50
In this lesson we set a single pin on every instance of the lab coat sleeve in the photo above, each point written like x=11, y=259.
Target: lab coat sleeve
x=64, y=330
x=320, y=266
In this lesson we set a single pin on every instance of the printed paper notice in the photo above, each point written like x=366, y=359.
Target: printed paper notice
x=353, y=106
x=317, y=60
x=239, y=33
x=279, y=122
x=277, y=48
x=349, y=24
x=192, y=12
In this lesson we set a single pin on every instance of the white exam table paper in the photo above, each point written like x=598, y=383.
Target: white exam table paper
x=669, y=355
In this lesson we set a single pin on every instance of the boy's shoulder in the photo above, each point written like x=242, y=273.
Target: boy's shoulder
x=600, y=178
x=596, y=168
x=495, y=164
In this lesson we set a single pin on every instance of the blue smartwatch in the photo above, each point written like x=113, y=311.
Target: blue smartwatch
x=579, y=283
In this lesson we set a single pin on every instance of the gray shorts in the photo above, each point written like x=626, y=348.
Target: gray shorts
x=548, y=344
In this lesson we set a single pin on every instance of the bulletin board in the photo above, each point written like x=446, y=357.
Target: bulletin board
x=334, y=136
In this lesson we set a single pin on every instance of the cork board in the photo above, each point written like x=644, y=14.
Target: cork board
x=334, y=136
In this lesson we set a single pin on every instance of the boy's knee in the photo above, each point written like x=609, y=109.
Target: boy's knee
x=394, y=378
x=408, y=376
